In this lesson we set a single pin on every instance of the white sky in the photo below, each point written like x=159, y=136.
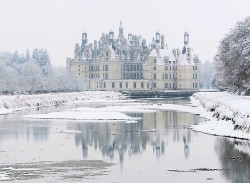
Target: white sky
x=57, y=24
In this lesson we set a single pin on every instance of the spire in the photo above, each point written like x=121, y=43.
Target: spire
x=121, y=30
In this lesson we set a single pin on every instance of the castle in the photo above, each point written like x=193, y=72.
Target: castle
x=129, y=64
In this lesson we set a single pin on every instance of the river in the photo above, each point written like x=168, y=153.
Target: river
x=159, y=148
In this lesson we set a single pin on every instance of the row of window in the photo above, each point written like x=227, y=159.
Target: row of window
x=133, y=67
x=139, y=85
x=132, y=75
x=166, y=61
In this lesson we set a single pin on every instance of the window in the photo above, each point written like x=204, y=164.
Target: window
x=170, y=68
x=166, y=60
x=166, y=68
x=106, y=67
x=166, y=85
x=166, y=76
x=170, y=85
x=154, y=85
x=104, y=85
x=169, y=76
x=126, y=84
x=147, y=85
x=113, y=85
x=120, y=84
x=106, y=75
x=162, y=76
x=134, y=84
x=154, y=76
x=154, y=61
x=154, y=68
x=107, y=53
x=142, y=85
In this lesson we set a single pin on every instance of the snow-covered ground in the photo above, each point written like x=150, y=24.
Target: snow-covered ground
x=227, y=114
x=9, y=104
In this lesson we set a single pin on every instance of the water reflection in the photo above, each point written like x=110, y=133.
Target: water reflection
x=234, y=155
x=29, y=130
x=152, y=132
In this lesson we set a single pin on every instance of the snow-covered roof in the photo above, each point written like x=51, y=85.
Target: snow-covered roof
x=167, y=53
x=183, y=59
x=153, y=53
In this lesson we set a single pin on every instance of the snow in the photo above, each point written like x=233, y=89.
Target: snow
x=111, y=113
x=9, y=104
x=3, y=110
x=4, y=176
x=153, y=53
x=227, y=114
x=90, y=116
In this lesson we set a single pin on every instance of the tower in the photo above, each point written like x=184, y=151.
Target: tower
x=84, y=38
x=162, y=41
x=186, y=38
x=121, y=30
x=158, y=37
x=111, y=37
x=130, y=37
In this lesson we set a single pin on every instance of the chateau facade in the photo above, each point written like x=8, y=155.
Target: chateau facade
x=125, y=64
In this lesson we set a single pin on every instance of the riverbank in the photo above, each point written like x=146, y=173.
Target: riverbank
x=228, y=114
x=9, y=104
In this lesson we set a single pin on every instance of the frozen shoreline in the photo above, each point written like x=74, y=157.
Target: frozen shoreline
x=228, y=115
x=10, y=104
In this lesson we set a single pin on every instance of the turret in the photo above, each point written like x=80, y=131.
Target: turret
x=84, y=38
x=130, y=37
x=111, y=35
x=186, y=38
x=162, y=41
x=121, y=30
x=158, y=37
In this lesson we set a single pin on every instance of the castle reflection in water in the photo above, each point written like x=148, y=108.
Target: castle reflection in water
x=154, y=131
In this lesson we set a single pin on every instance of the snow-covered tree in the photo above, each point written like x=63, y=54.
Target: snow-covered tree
x=42, y=59
x=233, y=57
x=34, y=74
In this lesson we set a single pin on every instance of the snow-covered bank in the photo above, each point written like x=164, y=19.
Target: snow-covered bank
x=8, y=104
x=228, y=114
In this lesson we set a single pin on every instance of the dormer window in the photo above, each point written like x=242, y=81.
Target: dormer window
x=166, y=60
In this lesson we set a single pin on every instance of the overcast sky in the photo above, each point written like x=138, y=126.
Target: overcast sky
x=57, y=24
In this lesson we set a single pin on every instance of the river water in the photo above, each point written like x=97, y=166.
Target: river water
x=159, y=148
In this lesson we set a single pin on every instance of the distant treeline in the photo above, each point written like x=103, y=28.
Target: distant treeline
x=34, y=73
